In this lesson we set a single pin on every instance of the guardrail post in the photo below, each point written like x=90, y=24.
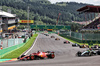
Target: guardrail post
x=7, y=42
x=70, y=33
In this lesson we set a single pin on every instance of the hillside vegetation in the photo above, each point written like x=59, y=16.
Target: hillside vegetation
x=45, y=13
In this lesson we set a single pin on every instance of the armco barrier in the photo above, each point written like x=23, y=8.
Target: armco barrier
x=48, y=32
x=5, y=43
x=83, y=36
x=64, y=35
x=9, y=49
x=5, y=51
x=81, y=41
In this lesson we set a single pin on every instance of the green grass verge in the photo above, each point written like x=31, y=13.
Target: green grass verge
x=16, y=53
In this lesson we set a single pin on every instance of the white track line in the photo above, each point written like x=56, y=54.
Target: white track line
x=32, y=46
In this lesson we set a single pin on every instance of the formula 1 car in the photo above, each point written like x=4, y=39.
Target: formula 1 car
x=75, y=45
x=37, y=56
x=66, y=42
x=57, y=39
x=52, y=36
x=46, y=34
x=84, y=46
x=86, y=53
x=95, y=47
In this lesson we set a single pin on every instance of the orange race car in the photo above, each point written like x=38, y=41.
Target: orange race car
x=57, y=39
x=84, y=46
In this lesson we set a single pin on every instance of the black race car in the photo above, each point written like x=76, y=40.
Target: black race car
x=37, y=56
x=46, y=34
x=66, y=42
x=86, y=53
x=95, y=47
x=75, y=45
x=52, y=36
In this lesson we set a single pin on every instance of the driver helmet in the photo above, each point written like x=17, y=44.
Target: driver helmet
x=38, y=51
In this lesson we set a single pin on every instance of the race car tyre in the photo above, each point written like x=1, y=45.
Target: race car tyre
x=78, y=54
x=51, y=56
x=98, y=52
x=73, y=45
x=64, y=42
x=18, y=57
x=80, y=46
x=32, y=57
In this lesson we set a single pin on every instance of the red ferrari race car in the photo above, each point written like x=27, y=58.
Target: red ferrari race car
x=37, y=56
x=66, y=42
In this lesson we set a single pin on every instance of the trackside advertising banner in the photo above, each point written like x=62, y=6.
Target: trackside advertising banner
x=26, y=21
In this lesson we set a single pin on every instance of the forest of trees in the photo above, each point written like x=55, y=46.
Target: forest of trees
x=45, y=13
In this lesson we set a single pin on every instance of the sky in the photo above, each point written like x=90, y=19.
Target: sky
x=94, y=2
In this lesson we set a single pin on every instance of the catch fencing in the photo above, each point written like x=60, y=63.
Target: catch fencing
x=91, y=36
x=5, y=43
x=84, y=37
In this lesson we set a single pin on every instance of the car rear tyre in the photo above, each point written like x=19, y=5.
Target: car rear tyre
x=98, y=52
x=32, y=57
x=51, y=56
x=78, y=54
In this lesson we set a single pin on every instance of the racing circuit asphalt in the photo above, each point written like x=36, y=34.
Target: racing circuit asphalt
x=65, y=54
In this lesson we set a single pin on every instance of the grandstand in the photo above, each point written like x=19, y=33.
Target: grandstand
x=7, y=21
x=89, y=33
x=95, y=23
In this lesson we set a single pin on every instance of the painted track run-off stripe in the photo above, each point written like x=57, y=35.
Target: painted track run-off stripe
x=7, y=60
